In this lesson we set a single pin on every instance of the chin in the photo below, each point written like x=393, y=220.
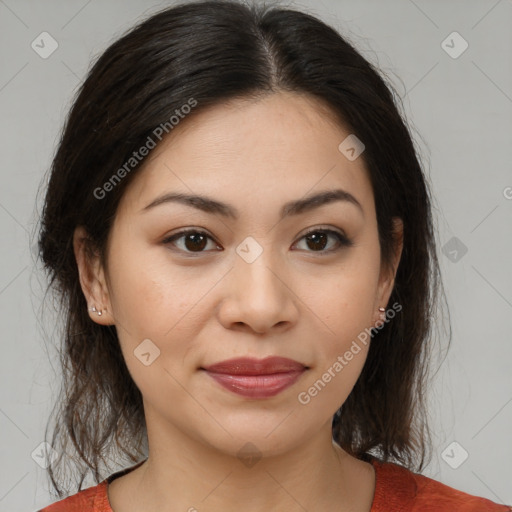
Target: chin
x=267, y=437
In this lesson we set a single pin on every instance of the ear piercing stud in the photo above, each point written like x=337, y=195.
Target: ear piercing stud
x=93, y=309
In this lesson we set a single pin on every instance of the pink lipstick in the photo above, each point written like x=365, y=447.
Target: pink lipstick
x=256, y=378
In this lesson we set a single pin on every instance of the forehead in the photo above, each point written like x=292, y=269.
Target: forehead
x=280, y=146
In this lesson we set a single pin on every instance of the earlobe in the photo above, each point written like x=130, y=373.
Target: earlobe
x=92, y=278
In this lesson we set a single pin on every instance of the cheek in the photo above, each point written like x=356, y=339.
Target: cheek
x=152, y=324
x=345, y=300
x=147, y=295
x=346, y=307
x=154, y=300
x=341, y=354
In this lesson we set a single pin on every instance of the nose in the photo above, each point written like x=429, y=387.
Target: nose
x=258, y=297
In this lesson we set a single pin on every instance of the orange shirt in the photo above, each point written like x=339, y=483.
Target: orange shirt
x=396, y=490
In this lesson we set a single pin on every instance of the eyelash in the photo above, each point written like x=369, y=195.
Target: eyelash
x=343, y=241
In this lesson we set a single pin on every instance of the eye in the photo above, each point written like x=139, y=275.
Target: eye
x=195, y=240
x=318, y=238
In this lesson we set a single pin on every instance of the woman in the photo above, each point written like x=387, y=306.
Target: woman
x=241, y=233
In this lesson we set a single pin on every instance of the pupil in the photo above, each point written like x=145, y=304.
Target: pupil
x=316, y=238
x=194, y=245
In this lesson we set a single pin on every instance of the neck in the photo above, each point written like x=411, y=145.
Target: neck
x=182, y=473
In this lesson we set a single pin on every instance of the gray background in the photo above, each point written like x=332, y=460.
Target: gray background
x=460, y=110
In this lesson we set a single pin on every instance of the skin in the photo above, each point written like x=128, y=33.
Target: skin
x=295, y=300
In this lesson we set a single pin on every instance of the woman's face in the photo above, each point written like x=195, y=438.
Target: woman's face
x=251, y=282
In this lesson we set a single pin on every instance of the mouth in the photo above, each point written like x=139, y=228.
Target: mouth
x=256, y=378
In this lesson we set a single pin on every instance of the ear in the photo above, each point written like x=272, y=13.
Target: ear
x=388, y=272
x=92, y=278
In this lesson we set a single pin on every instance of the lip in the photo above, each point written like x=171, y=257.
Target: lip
x=256, y=378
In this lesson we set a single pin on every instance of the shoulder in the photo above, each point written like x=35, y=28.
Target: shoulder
x=92, y=499
x=413, y=492
x=432, y=492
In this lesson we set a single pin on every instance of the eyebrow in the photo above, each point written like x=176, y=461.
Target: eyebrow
x=296, y=207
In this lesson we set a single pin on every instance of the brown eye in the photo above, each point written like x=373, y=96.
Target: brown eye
x=193, y=240
x=196, y=241
x=318, y=239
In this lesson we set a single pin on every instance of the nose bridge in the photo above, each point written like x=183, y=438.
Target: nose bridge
x=255, y=267
x=259, y=297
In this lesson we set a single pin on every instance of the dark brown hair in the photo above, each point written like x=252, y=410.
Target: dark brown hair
x=214, y=51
